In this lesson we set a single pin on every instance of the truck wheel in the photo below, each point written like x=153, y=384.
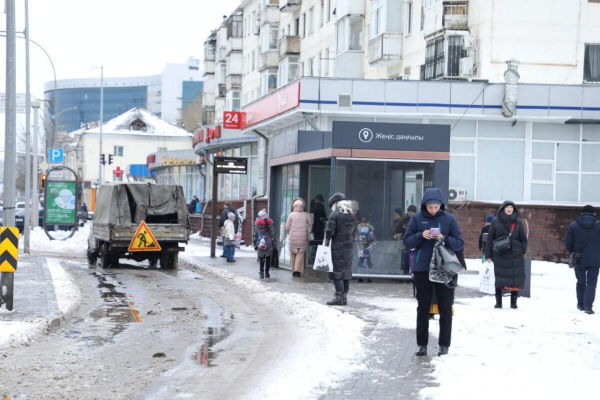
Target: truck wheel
x=174, y=260
x=105, y=258
x=165, y=261
x=153, y=260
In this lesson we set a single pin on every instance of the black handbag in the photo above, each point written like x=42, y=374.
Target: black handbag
x=574, y=255
x=503, y=243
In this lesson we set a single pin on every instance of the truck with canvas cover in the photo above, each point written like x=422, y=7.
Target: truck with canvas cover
x=122, y=207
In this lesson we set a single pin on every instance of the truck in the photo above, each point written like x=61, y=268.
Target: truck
x=119, y=211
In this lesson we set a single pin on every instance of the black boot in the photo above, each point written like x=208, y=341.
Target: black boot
x=513, y=300
x=267, y=275
x=338, y=300
x=498, y=298
x=421, y=351
x=443, y=350
x=344, y=299
x=261, y=272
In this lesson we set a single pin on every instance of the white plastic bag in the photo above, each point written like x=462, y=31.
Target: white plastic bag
x=323, y=259
x=487, y=279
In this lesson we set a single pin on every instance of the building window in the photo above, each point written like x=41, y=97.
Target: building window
x=455, y=53
x=410, y=14
x=269, y=38
x=288, y=70
x=321, y=13
x=268, y=82
x=161, y=149
x=308, y=67
x=253, y=62
x=236, y=104
x=311, y=20
x=422, y=18
x=118, y=151
x=377, y=18
x=304, y=25
x=434, y=59
x=429, y=3
x=349, y=33
x=591, y=68
x=326, y=62
x=234, y=27
x=328, y=10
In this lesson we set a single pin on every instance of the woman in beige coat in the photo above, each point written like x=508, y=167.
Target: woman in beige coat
x=298, y=227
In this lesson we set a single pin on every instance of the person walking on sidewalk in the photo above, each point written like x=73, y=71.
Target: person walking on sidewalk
x=224, y=217
x=583, y=238
x=298, y=227
x=484, y=230
x=341, y=231
x=228, y=233
x=506, y=247
x=424, y=229
x=264, y=242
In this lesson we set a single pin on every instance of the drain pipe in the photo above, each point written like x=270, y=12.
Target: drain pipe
x=265, y=173
x=511, y=77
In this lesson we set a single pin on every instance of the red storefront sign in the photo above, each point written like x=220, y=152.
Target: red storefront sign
x=272, y=105
x=232, y=120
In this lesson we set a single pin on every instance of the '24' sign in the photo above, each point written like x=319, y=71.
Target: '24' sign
x=232, y=120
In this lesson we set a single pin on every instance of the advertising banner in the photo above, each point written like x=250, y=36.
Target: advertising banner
x=60, y=203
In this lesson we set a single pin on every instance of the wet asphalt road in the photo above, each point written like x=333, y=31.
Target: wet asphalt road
x=151, y=334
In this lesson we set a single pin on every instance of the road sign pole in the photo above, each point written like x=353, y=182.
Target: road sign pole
x=213, y=214
x=35, y=181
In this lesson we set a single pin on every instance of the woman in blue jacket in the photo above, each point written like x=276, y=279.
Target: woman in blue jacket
x=419, y=236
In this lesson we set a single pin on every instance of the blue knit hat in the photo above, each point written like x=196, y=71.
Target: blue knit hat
x=489, y=218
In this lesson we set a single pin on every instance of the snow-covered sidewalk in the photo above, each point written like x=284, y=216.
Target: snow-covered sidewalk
x=546, y=348
x=332, y=349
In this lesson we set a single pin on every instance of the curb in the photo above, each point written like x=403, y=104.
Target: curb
x=53, y=312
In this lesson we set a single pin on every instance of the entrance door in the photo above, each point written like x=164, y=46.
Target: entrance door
x=319, y=178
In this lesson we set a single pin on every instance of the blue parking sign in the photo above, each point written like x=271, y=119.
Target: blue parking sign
x=56, y=155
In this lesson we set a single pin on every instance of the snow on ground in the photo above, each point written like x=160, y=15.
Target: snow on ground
x=331, y=351
x=67, y=292
x=76, y=245
x=13, y=333
x=545, y=349
x=201, y=248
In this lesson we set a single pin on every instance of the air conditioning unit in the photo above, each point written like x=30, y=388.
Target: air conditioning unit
x=457, y=194
x=405, y=77
x=466, y=67
x=469, y=42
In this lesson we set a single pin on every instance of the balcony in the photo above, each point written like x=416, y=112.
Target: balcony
x=209, y=67
x=234, y=44
x=269, y=15
x=268, y=60
x=208, y=99
x=222, y=90
x=289, y=45
x=233, y=82
x=222, y=54
x=349, y=7
x=446, y=15
x=289, y=6
x=348, y=64
x=209, y=50
x=385, y=48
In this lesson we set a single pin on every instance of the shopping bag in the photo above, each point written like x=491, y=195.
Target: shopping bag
x=238, y=240
x=487, y=279
x=323, y=259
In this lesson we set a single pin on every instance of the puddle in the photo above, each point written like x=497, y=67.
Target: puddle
x=216, y=329
x=105, y=322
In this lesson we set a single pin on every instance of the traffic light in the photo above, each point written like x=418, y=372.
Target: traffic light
x=110, y=159
x=102, y=159
x=42, y=181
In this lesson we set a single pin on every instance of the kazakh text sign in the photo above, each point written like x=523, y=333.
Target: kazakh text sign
x=231, y=165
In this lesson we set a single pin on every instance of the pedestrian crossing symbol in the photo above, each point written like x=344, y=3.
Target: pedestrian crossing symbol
x=9, y=249
x=144, y=240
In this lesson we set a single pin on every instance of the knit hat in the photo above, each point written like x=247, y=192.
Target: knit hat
x=489, y=218
x=263, y=214
x=398, y=211
x=363, y=220
x=412, y=208
x=588, y=210
x=434, y=201
x=231, y=215
x=335, y=198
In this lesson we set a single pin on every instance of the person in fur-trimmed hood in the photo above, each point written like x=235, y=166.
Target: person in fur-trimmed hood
x=298, y=227
x=509, y=266
x=264, y=242
x=341, y=231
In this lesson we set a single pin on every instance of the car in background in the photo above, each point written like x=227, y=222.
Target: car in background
x=20, y=221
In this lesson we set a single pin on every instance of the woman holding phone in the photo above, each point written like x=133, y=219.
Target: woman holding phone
x=423, y=230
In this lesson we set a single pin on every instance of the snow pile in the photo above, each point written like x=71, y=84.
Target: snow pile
x=545, y=349
x=198, y=248
x=14, y=333
x=74, y=246
x=332, y=349
x=67, y=292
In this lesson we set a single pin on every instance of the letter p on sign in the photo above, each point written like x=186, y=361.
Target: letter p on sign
x=56, y=155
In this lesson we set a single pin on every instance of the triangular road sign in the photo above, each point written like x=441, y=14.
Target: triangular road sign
x=144, y=240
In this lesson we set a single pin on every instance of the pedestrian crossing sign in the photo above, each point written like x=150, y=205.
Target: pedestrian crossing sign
x=144, y=240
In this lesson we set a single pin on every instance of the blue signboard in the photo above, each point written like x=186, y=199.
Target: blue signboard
x=56, y=155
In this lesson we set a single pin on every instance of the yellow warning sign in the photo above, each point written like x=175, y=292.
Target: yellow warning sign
x=9, y=249
x=144, y=240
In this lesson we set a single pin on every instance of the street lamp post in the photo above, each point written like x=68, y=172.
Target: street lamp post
x=100, y=166
x=27, y=216
x=36, y=165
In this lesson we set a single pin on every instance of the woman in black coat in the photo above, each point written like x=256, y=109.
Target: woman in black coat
x=341, y=232
x=509, y=267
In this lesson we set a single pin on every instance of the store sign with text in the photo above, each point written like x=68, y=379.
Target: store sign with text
x=274, y=104
x=233, y=119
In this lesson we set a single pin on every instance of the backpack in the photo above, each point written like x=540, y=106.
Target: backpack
x=264, y=240
x=364, y=236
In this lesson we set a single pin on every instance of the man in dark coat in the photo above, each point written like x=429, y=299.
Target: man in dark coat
x=509, y=267
x=396, y=227
x=228, y=209
x=317, y=208
x=583, y=238
x=484, y=230
x=424, y=229
x=341, y=232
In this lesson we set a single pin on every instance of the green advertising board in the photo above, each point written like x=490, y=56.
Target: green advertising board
x=60, y=203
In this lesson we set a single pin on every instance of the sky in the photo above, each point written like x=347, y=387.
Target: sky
x=127, y=37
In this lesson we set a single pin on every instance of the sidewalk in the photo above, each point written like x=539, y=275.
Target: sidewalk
x=392, y=369
x=35, y=307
